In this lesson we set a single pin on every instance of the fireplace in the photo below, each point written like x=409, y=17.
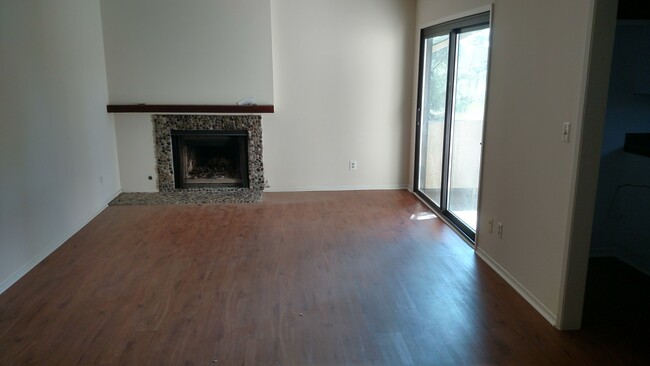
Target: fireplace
x=205, y=158
x=218, y=154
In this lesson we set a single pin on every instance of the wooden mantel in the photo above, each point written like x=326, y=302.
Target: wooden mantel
x=188, y=108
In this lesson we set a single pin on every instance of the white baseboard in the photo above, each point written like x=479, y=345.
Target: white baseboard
x=523, y=291
x=336, y=188
x=638, y=262
x=8, y=282
x=603, y=252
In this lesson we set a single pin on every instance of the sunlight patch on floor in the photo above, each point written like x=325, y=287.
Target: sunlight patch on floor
x=427, y=215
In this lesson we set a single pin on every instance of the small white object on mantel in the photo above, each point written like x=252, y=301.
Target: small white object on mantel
x=247, y=101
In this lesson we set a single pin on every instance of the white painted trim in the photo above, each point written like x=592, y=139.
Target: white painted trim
x=633, y=260
x=479, y=10
x=336, y=188
x=8, y=282
x=521, y=289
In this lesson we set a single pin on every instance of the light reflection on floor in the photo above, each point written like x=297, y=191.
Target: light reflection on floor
x=426, y=215
x=468, y=217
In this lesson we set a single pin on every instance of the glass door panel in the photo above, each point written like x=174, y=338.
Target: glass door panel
x=467, y=124
x=452, y=89
x=432, y=120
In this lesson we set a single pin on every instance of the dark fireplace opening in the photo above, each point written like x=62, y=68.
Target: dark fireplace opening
x=210, y=158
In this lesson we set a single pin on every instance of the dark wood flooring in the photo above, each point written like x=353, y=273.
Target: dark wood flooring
x=336, y=278
x=616, y=310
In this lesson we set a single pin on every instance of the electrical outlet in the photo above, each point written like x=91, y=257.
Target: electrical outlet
x=352, y=165
x=500, y=230
x=490, y=226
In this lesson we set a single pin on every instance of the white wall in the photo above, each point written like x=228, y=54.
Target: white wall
x=135, y=149
x=342, y=74
x=188, y=52
x=536, y=83
x=56, y=139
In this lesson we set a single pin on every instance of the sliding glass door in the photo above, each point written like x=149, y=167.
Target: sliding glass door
x=451, y=105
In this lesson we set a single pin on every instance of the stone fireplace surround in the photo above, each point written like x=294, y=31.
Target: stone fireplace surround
x=162, y=127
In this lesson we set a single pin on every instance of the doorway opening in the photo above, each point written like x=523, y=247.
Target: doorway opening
x=617, y=292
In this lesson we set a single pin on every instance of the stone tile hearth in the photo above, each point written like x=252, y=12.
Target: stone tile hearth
x=187, y=197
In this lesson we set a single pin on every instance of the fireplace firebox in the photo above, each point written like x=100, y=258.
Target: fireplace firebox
x=210, y=158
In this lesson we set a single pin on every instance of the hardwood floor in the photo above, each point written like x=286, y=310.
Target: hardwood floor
x=329, y=278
